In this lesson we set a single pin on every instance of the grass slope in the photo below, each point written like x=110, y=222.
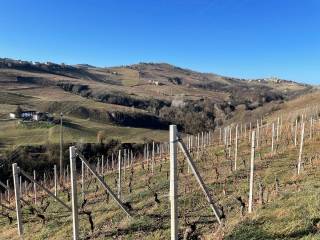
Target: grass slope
x=291, y=213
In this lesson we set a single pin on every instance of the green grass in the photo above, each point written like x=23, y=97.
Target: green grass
x=14, y=134
x=80, y=129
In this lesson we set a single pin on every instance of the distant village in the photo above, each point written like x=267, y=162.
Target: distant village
x=12, y=63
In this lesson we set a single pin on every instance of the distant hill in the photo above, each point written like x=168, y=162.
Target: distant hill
x=140, y=96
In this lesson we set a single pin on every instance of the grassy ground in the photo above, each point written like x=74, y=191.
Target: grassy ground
x=14, y=134
x=289, y=213
x=55, y=100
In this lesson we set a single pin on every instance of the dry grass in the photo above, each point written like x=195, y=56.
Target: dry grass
x=291, y=213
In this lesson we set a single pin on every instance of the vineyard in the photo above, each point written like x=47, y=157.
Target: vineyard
x=253, y=180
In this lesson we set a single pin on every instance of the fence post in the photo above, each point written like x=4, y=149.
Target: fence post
x=102, y=165
x=278, y=126
x=8, y=190
x=34, y=187
x=112, y=162
x=251, y=172
x=17, y=198
x=20, y=185
x=82, y=180
x=75, y=217
x=236, y=149
x=257, y=134
x=55, y=180
x=147, y=154
x=311, y=127
x=119, y=175
x=272, y=139
x=152, y=166
x=295, y=132
x=230, y=143
x=300, y=150
x=173, y=182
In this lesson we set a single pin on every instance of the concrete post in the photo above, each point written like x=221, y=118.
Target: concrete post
x=75, y=217
x=173, y=182
x=15, y=173
x=251, y=172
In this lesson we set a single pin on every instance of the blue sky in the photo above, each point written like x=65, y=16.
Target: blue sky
x=241, y=38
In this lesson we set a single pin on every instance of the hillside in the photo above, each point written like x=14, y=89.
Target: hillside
x=125, y=107
x=129, y=104
x=285, y=204
x=143, y=96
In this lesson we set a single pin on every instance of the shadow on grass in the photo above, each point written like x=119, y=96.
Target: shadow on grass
x=253, y=230
x=147, y=224
x=72, y=125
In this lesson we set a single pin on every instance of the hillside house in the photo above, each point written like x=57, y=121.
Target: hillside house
x=12, y=116
x=27, y=115
x=30, y=116
x=42, y=116
x=153, y=82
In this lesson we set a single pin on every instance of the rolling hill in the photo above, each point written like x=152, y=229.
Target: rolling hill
x=129, y=103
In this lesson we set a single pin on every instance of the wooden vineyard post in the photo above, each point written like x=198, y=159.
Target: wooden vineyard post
x=300, y=150
x=75, y=217
x=119, y=175
x=15, y=173
x=251, y=172
x=173, y=182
